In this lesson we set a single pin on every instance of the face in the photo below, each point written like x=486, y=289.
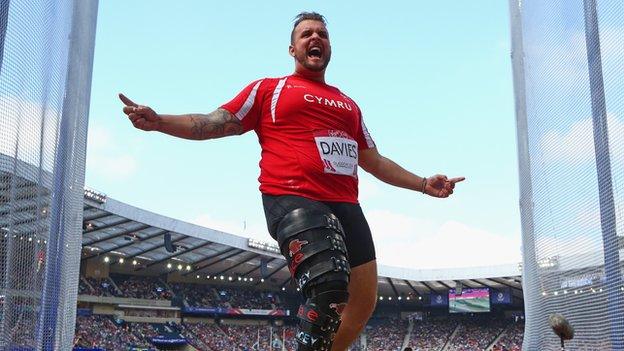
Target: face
x=310, y=46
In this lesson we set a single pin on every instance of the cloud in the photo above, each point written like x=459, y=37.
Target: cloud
x=247, y=229
x=576, y=144
x=560, y=62
x=368, y=188
x=411, y=242
x=29, y=131
x=405, y=241
x=106, y=159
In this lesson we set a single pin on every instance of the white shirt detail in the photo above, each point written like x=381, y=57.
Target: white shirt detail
x=244, y=110
x=276, y=94
x=369, y=141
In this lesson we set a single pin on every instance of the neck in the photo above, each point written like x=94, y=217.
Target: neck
x=311, y=75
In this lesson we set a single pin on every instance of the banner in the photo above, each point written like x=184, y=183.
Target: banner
x=163, y=340
x=500, y=297
x=235, y=311
x=438, y=299
x=83, y=312
x=257, y=312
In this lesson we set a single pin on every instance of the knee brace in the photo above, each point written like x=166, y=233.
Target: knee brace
x=313, y=243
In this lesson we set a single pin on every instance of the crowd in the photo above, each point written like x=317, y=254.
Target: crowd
x=20, y=333
x=512, y=339
x=198, y=295
x=197, y=335
x=476, y=334
x=243, y=298
x=386, y=335
x=473, y=332
x=213, y=337
x=97, y=287
x=103, y=332
x=142, y=288
x=431, y=335
x=381, y=335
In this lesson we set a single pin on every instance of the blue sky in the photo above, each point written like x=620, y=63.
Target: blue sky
x=433, y=80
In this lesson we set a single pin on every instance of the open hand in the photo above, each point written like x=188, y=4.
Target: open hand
x=440, y=186
x=142, y=117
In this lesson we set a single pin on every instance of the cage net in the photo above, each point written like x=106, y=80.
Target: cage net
x=568, y=61
x=46, y=54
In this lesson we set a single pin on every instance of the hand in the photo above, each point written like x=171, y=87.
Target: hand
x=440, y=186
x=142, y=117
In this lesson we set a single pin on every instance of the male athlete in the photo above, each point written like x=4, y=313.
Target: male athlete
x=313, y=139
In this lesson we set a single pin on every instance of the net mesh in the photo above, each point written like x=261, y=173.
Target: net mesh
x=568, y=77
x=46, y=54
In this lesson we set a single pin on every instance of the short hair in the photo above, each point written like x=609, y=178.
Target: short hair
x=303, y=16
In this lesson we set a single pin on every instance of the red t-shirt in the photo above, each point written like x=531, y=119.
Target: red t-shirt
x=310, y=134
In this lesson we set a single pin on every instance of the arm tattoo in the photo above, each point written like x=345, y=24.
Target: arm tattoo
x=216, y=124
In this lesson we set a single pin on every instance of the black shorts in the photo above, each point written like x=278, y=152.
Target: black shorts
x=358, y=238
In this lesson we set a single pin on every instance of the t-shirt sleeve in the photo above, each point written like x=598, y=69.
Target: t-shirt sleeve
x=363, y=137
x=247, y=105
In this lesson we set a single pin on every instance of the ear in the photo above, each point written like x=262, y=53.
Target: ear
x=291, y=50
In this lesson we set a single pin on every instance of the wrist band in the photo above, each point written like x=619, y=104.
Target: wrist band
x=424, y=185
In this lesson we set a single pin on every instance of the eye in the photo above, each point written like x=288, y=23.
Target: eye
x=323, y=35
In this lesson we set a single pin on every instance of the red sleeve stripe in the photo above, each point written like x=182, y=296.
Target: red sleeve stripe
x=276, y=94
x=244, y=110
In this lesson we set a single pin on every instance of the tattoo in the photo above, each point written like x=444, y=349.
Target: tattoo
x=216, y=124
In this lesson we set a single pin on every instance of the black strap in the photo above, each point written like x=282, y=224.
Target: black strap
x=324, y=267
x=313, y=315
x=302, y=219
x=309, y=341
x=332, y=241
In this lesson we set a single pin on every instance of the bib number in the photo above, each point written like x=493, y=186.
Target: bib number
x=338, y=152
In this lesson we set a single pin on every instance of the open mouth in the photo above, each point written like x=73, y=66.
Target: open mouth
x=315, y=52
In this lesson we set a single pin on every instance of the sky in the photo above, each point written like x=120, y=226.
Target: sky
x=433, y=79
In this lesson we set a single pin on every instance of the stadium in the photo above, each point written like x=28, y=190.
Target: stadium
x=148, y=281
x=80, y=270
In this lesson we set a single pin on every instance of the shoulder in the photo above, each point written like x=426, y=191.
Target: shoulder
x=347, y=97
x=268, y=83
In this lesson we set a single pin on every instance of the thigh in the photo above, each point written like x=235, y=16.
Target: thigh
x=276, y=207
x=358, y=237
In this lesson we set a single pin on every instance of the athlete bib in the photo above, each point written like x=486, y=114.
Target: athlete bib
x=338, y=152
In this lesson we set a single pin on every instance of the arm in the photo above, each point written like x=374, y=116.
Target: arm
x=389, y=172
x=216, y=124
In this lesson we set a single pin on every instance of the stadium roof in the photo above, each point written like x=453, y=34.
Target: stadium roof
x=113, y=230
x=118, y=230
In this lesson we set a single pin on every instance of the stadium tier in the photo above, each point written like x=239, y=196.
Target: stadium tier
x=142, y=273
x=148, y=281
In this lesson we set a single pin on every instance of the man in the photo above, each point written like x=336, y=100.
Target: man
x=313, y=139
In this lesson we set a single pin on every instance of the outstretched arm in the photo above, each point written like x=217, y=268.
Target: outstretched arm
x=389, y=172
x=216, y=124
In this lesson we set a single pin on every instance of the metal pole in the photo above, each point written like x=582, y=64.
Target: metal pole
x=603, y=168
x=533, y=335
x=4, y=21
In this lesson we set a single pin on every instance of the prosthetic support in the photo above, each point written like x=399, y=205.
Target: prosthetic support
x=313, y=243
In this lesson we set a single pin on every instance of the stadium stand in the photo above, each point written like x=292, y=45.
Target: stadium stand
x=476, y=333
x=220, y=292
x=386, y=334
x=140, y=287
x=432, y=334
x=511, y=340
